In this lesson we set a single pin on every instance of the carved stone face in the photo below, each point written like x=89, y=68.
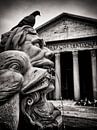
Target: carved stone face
x=29, y=61
x=39, y=55
x=18, y=62
x=27, y=40
x=18, y=76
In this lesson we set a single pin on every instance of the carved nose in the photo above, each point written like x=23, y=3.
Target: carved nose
x=49, y=54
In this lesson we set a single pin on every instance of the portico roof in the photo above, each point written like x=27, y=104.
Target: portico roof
x=86, y=19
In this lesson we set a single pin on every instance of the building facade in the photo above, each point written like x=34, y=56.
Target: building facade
x=74, y=42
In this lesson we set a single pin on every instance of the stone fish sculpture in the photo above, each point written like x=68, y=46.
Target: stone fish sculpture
x=24, y=55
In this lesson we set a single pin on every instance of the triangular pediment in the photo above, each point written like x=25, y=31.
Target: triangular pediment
x=68, y=26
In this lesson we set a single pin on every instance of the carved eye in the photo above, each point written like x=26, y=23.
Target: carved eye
x=15, y=67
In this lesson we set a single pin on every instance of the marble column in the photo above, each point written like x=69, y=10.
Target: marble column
x=94, y=73
x=57, y=93
x=76, y=76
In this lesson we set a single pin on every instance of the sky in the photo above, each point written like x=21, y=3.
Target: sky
x=12, y=11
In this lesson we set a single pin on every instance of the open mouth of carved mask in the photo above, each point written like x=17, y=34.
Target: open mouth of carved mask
x=36, y=79
x=39, y=82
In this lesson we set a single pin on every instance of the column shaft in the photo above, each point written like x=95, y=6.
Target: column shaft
x=76, y=76
x=57, y=77
x=94, y=73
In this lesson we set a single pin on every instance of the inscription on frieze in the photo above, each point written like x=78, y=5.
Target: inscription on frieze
x=72, y=45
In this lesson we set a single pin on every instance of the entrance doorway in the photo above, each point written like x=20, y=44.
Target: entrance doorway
x=67, y=89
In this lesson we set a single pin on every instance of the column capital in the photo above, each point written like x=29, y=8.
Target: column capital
x=58, y=53
x=93, y=53
x=75, y=53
